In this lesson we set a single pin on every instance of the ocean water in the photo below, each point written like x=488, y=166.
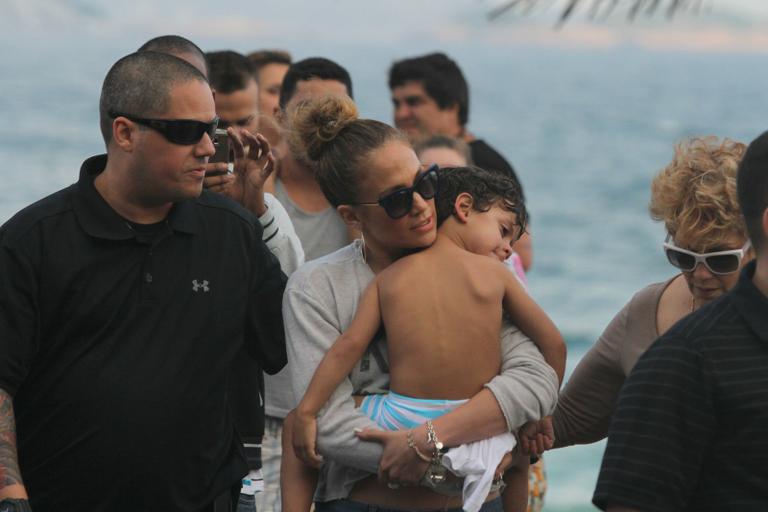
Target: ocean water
x=585, y=129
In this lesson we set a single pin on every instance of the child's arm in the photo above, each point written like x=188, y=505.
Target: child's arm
x=534, y=322
x=337, y=363
x=297, y=480
x=514, y=498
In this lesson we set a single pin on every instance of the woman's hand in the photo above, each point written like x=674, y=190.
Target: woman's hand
x=536, y=436
x=305, y=439
x=399, y=463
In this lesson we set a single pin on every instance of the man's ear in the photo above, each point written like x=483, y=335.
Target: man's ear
x=462, y=206
x=348, y=214
x=124, y=134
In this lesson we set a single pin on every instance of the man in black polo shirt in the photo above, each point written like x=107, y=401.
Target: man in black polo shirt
x=689, y=431
x=123, y=301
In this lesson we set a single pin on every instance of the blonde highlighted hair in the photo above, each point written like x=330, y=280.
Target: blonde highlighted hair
x=695, y=194
x=329, y=135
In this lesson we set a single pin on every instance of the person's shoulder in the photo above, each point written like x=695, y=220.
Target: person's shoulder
x=485, y=156
x=644, y=302
x=652, y=292
x=57, y=204
x=480, y=145
x=343, y=267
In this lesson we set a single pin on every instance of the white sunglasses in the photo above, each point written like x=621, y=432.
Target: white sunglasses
x=720, y=262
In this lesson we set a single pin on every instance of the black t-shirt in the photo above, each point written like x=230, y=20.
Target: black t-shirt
x=689, y=431
x=485, y=157
x=117, y=347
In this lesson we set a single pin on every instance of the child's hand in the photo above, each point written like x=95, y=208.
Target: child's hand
x=305, y=439
x=536, y=436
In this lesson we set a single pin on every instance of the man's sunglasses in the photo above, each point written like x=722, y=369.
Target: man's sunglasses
x=177, y=131
x=719, y=263
x=397, y=204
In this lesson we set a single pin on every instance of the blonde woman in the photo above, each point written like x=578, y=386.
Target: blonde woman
x=695, y=197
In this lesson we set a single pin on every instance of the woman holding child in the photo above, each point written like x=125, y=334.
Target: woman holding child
x=370, y=173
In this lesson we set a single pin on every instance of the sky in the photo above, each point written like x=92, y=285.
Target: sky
x=722, y=25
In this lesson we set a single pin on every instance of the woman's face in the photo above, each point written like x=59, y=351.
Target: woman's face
x=394, y=166
x=703, y=284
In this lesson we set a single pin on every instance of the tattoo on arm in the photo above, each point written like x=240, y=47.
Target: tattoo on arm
x=9, y=462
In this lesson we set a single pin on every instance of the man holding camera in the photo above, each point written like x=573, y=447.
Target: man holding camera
x=124, y=299
x=231, y=77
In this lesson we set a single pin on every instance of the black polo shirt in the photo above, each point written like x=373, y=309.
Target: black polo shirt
x=117, y=347
x=690, y=431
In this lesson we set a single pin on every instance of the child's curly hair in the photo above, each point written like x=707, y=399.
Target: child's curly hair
x=486, y=188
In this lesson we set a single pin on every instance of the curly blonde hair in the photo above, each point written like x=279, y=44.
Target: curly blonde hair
x=695, y=194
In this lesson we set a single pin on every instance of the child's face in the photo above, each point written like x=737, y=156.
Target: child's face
x=492, y=232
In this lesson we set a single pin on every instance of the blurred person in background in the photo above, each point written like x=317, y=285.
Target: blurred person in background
x=180, y=47
x=237, y=106
x=269, y=68
x=444, y=151
x=317, y=223
x=318, y=226
x=430, y=96
x=236, y=90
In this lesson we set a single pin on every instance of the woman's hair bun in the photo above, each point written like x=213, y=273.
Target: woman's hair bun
x=316, y=123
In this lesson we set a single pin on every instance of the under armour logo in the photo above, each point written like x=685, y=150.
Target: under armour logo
x=196, y=287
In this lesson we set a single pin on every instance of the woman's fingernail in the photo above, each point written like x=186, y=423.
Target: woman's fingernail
x=358, y=430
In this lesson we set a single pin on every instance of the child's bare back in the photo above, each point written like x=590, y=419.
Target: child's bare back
x=441, y=309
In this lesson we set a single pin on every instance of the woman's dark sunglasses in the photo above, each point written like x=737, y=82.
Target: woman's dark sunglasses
x=177, y=131
x=720, y=262
x=397, y=204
